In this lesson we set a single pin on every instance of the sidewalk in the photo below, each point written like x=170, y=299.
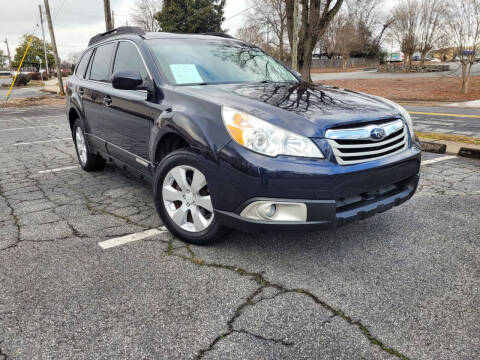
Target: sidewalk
x=52, y=85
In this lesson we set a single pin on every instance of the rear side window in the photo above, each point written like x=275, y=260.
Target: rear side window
x=82, y=65
x=101, y=63
x=128, y=59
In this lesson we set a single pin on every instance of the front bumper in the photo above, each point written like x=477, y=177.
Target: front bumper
x=324, y=214
x=240, y=177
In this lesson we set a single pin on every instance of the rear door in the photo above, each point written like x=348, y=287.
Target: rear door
x=95, y=92
x=80, y=73
x=130, y=116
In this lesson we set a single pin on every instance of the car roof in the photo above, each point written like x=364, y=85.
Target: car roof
x=132, y=32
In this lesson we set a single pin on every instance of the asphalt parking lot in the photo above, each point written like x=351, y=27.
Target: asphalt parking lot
x=403, y=284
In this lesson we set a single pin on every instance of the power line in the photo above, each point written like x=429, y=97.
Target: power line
x=59, y=9
x=241, y=12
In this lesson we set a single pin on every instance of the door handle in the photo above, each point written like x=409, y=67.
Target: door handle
x=107, y=100
x=81, y=91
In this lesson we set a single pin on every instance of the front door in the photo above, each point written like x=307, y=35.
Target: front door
x=129, y=115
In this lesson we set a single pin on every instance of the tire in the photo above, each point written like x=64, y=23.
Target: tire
x=183, y=201
x=88, y=161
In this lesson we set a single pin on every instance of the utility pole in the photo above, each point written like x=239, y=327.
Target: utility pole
x=113, y=20
x=54, y=44
x=108, y=15
x=44, y=43
x=295, y=36
x=8, y=54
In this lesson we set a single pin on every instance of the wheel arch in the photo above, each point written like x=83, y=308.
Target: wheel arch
x=174, y=131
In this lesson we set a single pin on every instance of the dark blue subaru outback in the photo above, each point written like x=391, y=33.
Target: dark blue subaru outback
x=230, y=138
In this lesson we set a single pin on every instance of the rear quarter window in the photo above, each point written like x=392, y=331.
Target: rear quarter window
x=83, y=64
x=101, y=63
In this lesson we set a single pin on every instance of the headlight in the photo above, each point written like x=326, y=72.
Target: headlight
x=262, y=137
x=408, y=119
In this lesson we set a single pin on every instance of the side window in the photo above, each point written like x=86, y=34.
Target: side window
x=82, y=65
x=128, y=58
x=101, y=63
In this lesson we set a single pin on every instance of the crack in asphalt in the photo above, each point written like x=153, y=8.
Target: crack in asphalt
x=13, y=215
x=264, y=283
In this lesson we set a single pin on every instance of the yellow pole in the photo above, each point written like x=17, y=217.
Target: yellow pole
x=19, y=67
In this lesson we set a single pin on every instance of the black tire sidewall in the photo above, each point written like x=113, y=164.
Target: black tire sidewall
x=177, y=158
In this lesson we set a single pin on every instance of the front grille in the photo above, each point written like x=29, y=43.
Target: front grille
x=355, y=145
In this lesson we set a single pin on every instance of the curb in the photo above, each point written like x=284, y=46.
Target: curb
x=452, y=148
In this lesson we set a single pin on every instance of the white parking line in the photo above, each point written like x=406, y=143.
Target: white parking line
x=28, y=127
x=38, y=142
x=107, y=244
x=443, y=158
x=58, y=169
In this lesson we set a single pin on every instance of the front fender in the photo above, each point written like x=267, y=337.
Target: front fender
x=193, y=131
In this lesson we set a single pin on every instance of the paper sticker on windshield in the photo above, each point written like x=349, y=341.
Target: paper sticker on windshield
x=185, y=74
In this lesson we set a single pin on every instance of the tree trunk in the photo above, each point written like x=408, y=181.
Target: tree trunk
x=281, y=45
x=466, y=71
x=423, y=59
x=345, y=59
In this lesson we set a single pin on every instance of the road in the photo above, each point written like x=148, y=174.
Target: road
x=455, y=70
x=404, y=284
x=446, y=120
x=23, y=92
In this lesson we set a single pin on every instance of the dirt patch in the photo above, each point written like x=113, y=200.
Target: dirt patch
x=417, y=89
x=47, y=100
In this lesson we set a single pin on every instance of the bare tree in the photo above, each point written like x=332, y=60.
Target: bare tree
x=432, y=17
x=349, y=40
x=316, y=15
x=270, y=16
x=463, y=27
x=406, y=19
x=251, y=34
x=143, y=14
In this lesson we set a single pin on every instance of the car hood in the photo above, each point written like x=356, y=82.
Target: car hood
x=304, y=108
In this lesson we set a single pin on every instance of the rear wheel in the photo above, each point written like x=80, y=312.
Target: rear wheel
x=88, y=161
x=183, y=200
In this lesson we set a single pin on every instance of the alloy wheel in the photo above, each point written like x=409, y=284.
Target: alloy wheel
x=187, y=199
x=81, y=146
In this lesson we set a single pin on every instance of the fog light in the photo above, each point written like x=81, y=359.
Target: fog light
x=270, y=210
x=275, y=211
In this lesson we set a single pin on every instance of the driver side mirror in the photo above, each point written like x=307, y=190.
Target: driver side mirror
x=126, y=80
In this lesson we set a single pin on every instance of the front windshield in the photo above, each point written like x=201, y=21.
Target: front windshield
x=193, y=62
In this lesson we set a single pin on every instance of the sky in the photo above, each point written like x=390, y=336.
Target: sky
x=76, y=21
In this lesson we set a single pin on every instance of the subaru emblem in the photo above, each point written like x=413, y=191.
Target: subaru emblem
x=377, y=134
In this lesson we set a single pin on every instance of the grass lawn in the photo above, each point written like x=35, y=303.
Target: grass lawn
x=418, y=89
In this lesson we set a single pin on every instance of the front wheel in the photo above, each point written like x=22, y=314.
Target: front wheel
x=183, y=200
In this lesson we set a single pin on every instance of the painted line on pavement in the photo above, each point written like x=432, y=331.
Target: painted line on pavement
x=107, y=244
x=443, y=158
x=442, y=114
x=38, y=142
x=49, y=171
x=28, y=127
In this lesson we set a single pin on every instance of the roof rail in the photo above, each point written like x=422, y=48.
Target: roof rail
x=118, y=31
x=219, y=34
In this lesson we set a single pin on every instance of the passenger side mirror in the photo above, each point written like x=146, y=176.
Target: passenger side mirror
x=126, y=80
